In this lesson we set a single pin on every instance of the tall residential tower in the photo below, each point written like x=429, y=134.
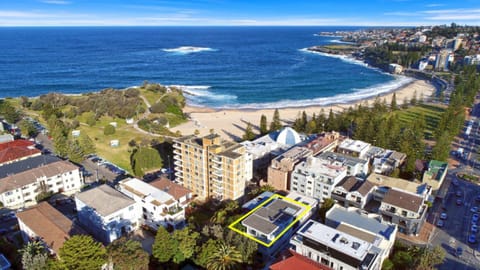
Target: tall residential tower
x=212, y=167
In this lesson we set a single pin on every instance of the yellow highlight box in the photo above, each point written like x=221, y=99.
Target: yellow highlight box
x=275, y=196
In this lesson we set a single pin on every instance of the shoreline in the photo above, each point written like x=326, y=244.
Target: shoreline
x=230, y=123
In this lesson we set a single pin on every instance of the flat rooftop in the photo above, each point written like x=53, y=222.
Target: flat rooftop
x=275, y=215
x=354, y=217
x=105, y=200
x=409, y=186
x=146, y=191
x=321, y=167
x=354, y=145
x=335, y=239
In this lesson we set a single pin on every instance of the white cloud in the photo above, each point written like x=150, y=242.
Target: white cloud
x=435, y=5
x=56, y=2
x=460, y=14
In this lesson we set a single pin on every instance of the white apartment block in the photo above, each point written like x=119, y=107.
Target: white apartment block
x=159, y=208
x=316, y=178
x=334, y=248
x=354, y=148
x=21, y=182
x=107, y=213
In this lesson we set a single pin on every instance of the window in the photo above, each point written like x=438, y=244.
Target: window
x=130, y=208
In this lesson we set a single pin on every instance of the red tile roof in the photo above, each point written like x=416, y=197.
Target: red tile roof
x=297, y=261
x=174, y=189
x=49, y=224
x=15, y=150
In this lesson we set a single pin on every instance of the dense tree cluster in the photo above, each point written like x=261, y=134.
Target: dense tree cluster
x=8, y=111
x=144, y=159
x=383, y=55
x=412, y=257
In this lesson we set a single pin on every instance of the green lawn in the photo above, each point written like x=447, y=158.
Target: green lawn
x=124, y=133
x=152, y=97
x=432, y=114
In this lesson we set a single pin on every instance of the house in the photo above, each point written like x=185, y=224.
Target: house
x=159, y=208
x=22, y=181
x=355, y=166
x=17, y=150
x=352, y=191
x=354, y=148
x=293, y=260
x=268, y=223
x=45, y=223
x=107, y=213
x=366, y=226
x=434, y=176
x=280, y=170
x=336, y=249
x=316, y=178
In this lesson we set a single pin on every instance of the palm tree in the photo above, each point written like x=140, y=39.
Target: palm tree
x=224, y=258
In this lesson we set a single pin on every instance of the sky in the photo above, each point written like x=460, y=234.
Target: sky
x=237, y=12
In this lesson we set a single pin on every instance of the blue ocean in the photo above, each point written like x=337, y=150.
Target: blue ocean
x=235, y=67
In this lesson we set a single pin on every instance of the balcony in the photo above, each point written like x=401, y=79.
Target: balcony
x=177, y=146
x=217, y=173
x=177, y=152
x=178, y=163
x=217, y=160
x=177, y=157
x=178, y=174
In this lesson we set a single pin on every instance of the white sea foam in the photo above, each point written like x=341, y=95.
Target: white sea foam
x=344, y=58
x=188, y=50
x=341, y=41
x=359, y=94
x=199, y=94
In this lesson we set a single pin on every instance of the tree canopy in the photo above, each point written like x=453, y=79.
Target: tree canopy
x=82, y=252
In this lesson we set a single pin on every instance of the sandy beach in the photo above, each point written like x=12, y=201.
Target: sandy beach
x=231, y=123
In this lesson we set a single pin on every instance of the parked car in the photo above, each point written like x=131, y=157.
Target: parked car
x=475, y=218
x=440, y=223
x=459, y=251
x=455, y=182
x=474, y=228
x=458, y=193
x=472, y=239
x=477, y=198
x=443, y=215
x=474, y=209
x=459, y=202
x=9, y=216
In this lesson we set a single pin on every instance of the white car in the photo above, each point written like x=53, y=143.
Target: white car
x=443, y=215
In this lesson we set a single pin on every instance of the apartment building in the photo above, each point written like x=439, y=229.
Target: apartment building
x=159, y=208
x=22, y=181
x=355, y=166
x=354, y=148
x=316, y=178
x=366, y=226
x=211, y=167
x=280, y=170
x=107, y=213
x=334, y=248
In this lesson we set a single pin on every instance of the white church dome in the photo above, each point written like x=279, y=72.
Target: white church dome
x=288, y=136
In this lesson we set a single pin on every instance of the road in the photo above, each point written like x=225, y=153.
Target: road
x=457, y=226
